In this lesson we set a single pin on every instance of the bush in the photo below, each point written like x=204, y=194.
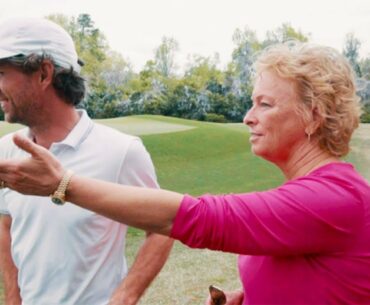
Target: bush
x=213, y=117
x=365, y=117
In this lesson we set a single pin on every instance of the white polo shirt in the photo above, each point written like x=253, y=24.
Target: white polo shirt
x=67, y=255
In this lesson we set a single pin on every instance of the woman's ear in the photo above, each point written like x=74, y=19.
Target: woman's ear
x=314, y=123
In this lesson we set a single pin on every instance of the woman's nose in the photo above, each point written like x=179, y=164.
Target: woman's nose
x=249, y=118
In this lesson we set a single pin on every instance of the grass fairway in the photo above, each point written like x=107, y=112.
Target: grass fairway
x=360, y=153
x=212, y=158
x=197, y=157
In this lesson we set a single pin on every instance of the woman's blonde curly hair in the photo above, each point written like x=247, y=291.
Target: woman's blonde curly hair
x=326, y=86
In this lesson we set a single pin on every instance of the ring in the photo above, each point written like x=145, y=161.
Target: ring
x=2, y=184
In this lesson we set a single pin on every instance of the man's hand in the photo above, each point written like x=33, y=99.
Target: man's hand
x=150, y=259
x=232, y=298
x=39, y=174
x=119, y=298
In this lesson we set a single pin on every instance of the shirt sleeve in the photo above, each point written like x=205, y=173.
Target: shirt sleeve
x=305, y=216
x=137, y=168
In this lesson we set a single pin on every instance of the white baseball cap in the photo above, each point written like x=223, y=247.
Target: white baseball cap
x=26, y=36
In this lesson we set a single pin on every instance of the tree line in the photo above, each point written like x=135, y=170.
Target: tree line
x=201, y=92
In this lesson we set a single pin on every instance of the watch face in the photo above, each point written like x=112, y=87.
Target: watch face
x=57, y=200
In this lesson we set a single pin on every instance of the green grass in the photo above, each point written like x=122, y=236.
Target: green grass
x=206, y=157
x=138, y=126
x=360, y=153
x=212, y=158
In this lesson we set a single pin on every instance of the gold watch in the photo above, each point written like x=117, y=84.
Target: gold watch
x=59, y=196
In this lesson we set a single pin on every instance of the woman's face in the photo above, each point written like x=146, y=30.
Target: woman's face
x=276, y=130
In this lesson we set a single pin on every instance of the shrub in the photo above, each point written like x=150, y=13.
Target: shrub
x=365, y=117
x=213, y=117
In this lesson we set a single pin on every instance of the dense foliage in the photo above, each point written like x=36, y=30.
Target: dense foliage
x=202, y=91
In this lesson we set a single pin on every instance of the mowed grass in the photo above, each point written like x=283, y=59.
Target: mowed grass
x=360, y=150
x=211, y=158
x=194, y=157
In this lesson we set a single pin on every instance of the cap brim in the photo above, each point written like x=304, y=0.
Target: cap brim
x=6, y=54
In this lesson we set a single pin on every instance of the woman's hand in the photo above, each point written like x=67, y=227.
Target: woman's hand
x=39, y=174
x=232, y=298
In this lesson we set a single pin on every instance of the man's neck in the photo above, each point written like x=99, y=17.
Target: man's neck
x=54, y=127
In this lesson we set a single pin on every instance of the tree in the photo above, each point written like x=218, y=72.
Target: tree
x=363, y=90
x=201, y=70
x=365, y=68
x=351, y=51
x=105, y=71
x=284, y=33
x=239, y=73
x=246, y=36
x=186, y=102
x=165, y=56
x=116, y=71
x=91, y=44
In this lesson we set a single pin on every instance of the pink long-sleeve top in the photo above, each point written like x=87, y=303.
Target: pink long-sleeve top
x=305, y=242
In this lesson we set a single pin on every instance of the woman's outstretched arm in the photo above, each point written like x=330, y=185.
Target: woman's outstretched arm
x=148, y=209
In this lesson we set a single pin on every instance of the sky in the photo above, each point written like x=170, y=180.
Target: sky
x=135, y=28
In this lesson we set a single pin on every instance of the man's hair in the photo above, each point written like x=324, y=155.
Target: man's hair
x=68, y=84
x=325, y=84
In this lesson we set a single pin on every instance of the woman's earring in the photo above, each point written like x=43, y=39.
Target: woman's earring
x=308, y=133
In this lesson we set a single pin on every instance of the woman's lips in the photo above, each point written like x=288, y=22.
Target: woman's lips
x=255, y=136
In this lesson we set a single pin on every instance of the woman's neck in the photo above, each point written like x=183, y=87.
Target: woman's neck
x=305, y=161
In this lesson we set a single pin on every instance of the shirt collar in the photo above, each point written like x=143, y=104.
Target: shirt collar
x=79, y=131
x=78, y=134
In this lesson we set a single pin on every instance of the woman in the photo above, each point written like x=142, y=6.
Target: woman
x=305, y=242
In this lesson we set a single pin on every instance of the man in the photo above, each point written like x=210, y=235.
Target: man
x=59, y=254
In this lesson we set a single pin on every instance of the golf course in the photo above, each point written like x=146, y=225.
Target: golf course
x=198, y=157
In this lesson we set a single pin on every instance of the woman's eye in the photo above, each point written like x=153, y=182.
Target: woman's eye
x=263, y=104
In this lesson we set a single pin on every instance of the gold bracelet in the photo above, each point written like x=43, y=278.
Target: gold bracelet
x=59, y=196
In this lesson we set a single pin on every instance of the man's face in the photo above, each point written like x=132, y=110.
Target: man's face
x=18, y=94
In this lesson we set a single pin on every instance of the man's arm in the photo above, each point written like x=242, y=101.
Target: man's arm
x=149, y=261
x=138, y=170
x=7, y=268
